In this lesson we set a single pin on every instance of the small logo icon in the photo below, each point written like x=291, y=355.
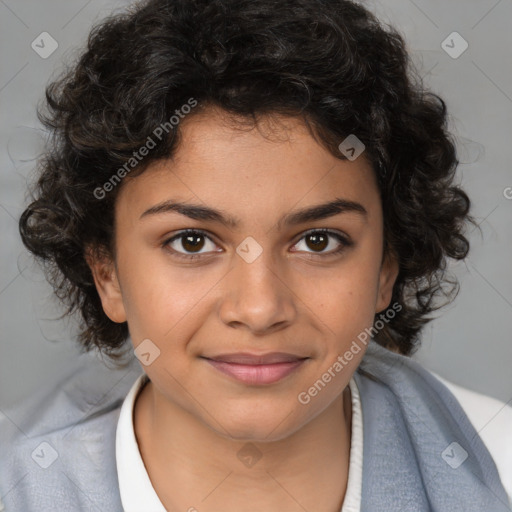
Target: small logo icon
x=249, y=455
x=454, y=45
x=249, y=249
x=507, y=192
x=146, y=352
x=454, y=455
x=44, y=45
x=45, y=455
x=351, y=147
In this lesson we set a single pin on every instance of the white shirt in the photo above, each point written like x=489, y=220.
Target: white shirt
x=138, y=494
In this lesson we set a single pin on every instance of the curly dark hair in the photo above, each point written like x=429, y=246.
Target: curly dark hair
x=329, y=62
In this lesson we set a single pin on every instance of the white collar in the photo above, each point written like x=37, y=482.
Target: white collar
x=135, y=487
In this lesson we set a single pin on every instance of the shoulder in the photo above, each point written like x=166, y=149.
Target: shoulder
x=403, y=396
x=63, y=439
x=492, y=419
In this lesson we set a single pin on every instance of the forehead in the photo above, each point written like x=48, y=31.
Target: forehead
x=274, y=165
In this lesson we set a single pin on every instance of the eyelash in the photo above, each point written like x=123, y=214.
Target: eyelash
x=343, y=240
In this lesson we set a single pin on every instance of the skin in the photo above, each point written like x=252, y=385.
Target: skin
x=191, y=420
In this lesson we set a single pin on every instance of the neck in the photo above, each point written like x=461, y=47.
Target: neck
x=190, y=465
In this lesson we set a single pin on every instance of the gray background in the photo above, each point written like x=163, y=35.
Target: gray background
x=470, y=344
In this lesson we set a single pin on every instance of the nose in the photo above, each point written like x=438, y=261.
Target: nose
x=257, y=297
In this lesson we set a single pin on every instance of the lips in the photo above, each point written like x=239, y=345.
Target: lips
x=255, y=369
x=254, y=359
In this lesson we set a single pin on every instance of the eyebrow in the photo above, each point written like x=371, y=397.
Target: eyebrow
x=312, y=213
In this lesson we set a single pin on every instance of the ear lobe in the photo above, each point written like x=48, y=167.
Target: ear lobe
x=107, y=284
x=388, y=274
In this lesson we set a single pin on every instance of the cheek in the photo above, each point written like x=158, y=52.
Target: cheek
x=158, y=296
x=345, y=299
x=345, y=302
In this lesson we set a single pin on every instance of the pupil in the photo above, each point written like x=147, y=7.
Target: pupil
x=319, y=242
x=192, y=242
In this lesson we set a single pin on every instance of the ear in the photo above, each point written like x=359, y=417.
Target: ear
x=107, y=284
x=388, y=274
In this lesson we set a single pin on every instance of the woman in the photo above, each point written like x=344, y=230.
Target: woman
x=260, y=197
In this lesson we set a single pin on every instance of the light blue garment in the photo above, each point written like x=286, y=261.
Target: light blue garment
x=78, y=419
x=411, y=423
x=415, y=440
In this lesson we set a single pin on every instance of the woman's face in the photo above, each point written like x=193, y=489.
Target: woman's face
x=252, y=278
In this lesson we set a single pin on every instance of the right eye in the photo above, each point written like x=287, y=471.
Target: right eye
x=188, y=244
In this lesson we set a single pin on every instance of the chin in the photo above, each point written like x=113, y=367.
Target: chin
x=258, y=428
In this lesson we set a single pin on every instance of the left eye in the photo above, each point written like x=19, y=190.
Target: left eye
x=320, y=240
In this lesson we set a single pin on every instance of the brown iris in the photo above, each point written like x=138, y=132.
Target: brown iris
x=192, y=243
x=317, y=241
